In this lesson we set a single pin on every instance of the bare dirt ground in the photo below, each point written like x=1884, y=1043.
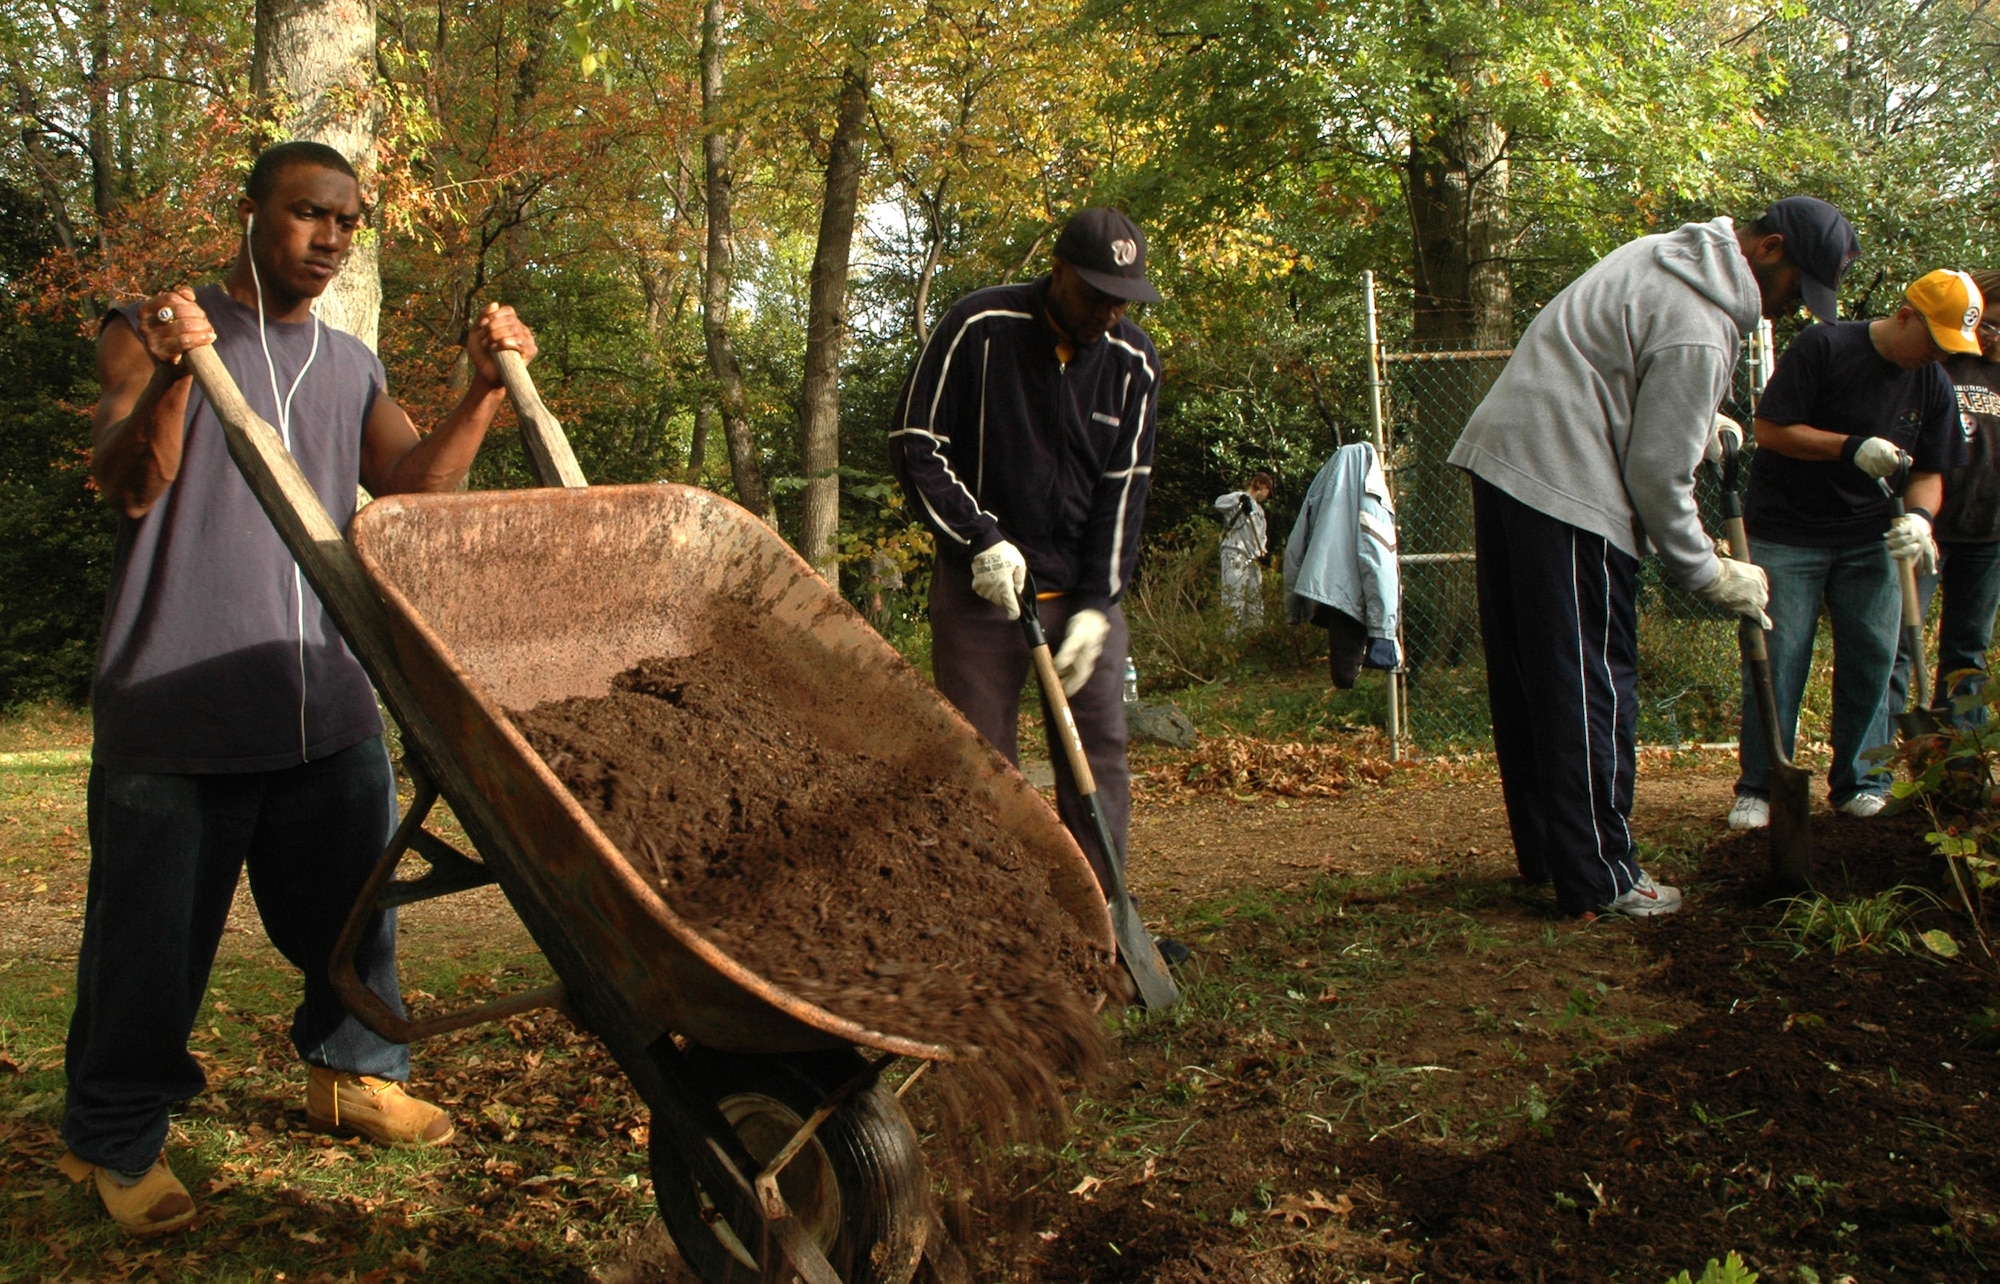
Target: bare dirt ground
x=1186, y=848
x=1191, y=848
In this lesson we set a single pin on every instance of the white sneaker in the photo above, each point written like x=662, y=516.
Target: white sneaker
x=1647, y=899
x=1750, y=812
x=1862, y=806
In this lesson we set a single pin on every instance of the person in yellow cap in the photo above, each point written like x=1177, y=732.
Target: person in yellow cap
x=1849, y=401
x=1967, y=531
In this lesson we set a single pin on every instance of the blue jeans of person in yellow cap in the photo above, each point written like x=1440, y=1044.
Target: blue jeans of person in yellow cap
x=1857, y=586
x=1969, y=575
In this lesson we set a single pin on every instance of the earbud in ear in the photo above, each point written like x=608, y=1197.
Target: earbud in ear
x=249, y=221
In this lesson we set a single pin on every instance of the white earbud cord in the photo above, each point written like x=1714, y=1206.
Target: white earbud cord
x=284, y=405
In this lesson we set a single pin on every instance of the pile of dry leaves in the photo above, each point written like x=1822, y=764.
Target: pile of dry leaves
x=1241, y=765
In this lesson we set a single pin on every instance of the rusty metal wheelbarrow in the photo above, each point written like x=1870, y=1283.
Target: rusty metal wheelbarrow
x=776, y=1152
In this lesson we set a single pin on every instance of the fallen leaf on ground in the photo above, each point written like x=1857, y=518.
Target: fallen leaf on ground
x=1298, y=1210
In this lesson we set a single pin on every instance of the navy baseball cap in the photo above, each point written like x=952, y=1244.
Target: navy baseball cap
x=1821, y=241
x=1109, y=251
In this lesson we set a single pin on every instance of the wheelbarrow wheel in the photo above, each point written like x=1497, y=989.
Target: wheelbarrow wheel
x=858, y=1186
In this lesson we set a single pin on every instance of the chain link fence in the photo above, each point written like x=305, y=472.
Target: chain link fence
x=1689, y=684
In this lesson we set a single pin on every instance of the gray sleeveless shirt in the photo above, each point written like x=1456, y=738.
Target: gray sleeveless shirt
x=216, y=654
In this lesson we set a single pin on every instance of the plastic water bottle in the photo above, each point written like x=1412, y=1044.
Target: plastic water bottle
x=1131, y=688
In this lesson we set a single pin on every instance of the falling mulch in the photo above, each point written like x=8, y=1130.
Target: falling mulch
x=1825, y=1109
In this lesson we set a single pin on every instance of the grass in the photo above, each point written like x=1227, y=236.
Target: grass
x=1870, y=924
x=1335, y=1008
x=44, y=753
x=1279, y=704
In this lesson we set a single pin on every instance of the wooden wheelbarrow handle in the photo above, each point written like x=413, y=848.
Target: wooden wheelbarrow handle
x=549, y=455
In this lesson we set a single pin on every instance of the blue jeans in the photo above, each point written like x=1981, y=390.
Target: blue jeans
x=165, y=851
x=1857, y=584
x=1970, y=574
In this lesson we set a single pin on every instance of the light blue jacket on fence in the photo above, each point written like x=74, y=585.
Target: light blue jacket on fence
x=1342, y=551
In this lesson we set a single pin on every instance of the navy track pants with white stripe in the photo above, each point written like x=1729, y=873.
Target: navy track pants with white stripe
x=1558, y=615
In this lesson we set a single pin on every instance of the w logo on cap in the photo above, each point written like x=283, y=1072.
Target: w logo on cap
x=1124, y=252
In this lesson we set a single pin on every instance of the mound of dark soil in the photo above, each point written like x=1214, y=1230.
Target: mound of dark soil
x=885, y=895
x=1827, y=1109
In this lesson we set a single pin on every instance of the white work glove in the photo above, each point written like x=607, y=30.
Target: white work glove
x=1909, y=540
x=1742, y=588
x=1878, y=457
x=998, y=575
x=1082, y=643
x=1724, y=427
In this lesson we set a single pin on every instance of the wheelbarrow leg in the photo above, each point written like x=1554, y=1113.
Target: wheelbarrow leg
x=943, y=1263
x=450, y=872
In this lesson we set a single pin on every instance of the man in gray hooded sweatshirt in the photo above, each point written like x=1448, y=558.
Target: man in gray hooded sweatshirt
x=1583, y=454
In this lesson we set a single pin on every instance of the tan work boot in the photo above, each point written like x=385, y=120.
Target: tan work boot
x=154, y=1205
x=378, y=1109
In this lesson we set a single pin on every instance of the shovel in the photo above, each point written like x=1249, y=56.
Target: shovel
x=1919, y=719
x=1135, y=944
x=1791, y=785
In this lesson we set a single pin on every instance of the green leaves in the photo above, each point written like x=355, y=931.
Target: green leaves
x=1730, y=1270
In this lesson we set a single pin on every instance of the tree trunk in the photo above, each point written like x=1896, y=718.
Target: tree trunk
x=704, y=415
x=45, y=168
x=719, y=275
x=934, y=251
x=315, y=61
x=1460, y=248
x=1459, y=234
x=103, y=185
x=826, y=328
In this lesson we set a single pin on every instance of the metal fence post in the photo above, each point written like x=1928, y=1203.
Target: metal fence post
x=1763, y=360
x=1380, y=430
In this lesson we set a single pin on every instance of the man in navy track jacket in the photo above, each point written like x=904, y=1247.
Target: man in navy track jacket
x=1024, y=439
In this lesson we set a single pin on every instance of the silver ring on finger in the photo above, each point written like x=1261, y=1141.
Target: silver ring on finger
x=165, y=316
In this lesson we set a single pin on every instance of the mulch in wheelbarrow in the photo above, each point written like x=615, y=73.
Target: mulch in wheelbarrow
x=878, y=892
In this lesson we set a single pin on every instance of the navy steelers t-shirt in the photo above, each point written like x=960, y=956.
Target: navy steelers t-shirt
x=1831, y=378
x=1971, y=513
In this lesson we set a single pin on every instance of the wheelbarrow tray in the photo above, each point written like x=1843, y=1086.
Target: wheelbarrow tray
x=505, y=600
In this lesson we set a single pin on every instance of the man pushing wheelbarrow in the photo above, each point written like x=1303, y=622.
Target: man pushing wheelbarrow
x=233, y=726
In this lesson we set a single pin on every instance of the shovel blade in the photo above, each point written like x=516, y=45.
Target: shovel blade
x=1791, y=828
x=1914, y=724
x=1141, y=958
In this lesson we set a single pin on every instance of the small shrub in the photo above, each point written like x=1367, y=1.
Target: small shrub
x=1951, y=778
x=1874, y=924
x=1180, y=632
x=1729, y=1270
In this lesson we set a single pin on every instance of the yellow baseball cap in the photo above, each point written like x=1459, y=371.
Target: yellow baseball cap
x=1950, y=304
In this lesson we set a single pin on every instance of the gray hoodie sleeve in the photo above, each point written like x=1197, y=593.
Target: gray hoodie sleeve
x=1673, y=414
